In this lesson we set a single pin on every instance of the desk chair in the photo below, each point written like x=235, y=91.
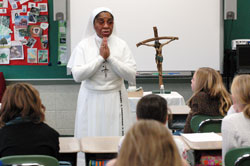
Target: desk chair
x=205, y=123
x=238, y=157
x=28, y=159
x=99, y=148
x=178, y=117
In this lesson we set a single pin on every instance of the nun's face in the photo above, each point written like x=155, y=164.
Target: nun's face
x=103, y=24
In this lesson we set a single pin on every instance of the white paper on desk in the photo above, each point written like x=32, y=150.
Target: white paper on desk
x=202, y=137
x=147, y=93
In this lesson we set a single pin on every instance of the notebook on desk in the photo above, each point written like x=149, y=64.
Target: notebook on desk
x=203, y=141
x=202, y=137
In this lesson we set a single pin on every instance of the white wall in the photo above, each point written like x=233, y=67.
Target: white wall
x=60, y=102
x=197, y=23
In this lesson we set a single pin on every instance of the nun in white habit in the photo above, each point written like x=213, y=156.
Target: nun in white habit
x=101, y=62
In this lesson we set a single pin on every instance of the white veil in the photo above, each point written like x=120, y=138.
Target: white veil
x=90, y=30
x=90, y=26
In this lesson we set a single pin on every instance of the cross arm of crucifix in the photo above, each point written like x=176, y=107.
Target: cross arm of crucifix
x=156, y=38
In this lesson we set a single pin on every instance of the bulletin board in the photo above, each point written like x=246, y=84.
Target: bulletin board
x=24, y=32
x=50, y=70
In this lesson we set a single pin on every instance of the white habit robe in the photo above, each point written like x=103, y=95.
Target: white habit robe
x=102, y=106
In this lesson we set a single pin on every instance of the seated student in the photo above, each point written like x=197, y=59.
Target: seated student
x=154, y=107
x=210, y=96
x=235, y=127
x=148, y=143
x=22, y=127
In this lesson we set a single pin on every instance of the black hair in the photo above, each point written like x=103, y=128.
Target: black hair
x=152, y=107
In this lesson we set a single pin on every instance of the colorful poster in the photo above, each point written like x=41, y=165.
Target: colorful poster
x=24, y=32
x=32, y=55
x=42, y=56
x=16, y=51
x=4, y=56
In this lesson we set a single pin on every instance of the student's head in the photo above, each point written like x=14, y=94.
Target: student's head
x=21, y=100
x=241, y=93
x=210, y=81
x=152, y=107
x=103, y=22
x=148, y=143
x=207, y=79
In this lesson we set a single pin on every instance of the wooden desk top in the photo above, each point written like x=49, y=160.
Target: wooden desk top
x=100, y=144
x=206, y=145
x=69, y=145
x=179, y=109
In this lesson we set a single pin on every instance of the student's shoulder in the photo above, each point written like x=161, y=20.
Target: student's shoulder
x=201, y=96
x=120, y=142
x=48, y=128
x=179, y=143
x=232, y=118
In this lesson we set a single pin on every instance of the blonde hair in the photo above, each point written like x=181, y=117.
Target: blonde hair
x=241, y=91
x=210, y=81
x=148, y=143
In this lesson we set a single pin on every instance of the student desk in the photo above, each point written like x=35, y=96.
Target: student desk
x=179, y=109
x=212, y=146
x=216, y=145
x=99, y=147
x=69, y=146
x=179, y=116
x=204, y=145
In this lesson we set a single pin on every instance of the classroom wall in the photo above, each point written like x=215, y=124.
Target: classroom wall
x=60, y=98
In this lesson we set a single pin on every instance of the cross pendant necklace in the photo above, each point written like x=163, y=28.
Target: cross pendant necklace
x=105, y=69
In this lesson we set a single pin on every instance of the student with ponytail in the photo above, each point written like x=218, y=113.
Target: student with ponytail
x=235, y=127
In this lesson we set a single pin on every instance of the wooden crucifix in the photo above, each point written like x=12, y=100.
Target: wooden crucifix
x=158, y=48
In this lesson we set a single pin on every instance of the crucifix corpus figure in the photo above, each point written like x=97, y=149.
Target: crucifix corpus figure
x=158, y=48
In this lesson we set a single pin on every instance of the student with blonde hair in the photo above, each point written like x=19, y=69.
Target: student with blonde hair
x=210, y=96
x=148, y=143
x=235, y=127
x=22, y=127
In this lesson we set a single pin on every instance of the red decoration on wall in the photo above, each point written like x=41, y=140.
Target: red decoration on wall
x=28, y=21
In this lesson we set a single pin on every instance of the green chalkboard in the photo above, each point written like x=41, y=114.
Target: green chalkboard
x=41, y=72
